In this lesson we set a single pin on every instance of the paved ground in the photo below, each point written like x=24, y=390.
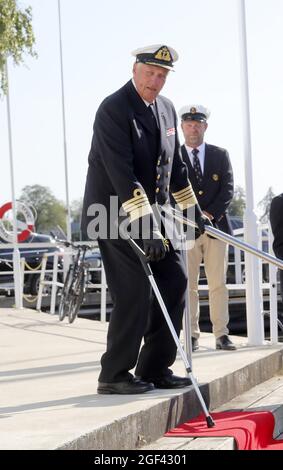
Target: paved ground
x=49, y=376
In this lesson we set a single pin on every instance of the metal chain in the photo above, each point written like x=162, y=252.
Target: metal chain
x=30, y=300
x=33, y=269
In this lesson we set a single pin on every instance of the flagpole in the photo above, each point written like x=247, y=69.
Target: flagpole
x=252, y=265
x=68, y=221
x=16, y=251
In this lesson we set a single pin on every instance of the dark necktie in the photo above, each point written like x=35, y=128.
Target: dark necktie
x=152, y=113
x=197, y=166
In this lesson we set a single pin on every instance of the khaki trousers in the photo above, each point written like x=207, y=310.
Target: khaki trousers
x=214, y=254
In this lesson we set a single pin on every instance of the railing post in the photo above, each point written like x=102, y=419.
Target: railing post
x=259, y=235
x=273, y=306
x=41, y=281
x=18, y=287
x=22, y=264
x=238, y=266
x=54, y=284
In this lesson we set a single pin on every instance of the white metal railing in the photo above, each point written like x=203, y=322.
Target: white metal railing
x=41, y=270
x=238, y=266
x=35, y=249
x=270, y=285
x=67, y=255
x=44, y=282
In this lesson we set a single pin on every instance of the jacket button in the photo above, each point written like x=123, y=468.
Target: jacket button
x=158, y=177
x=200, y=192
x=168, y=174
x=157, y=190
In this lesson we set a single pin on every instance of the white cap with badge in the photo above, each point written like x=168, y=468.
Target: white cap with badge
x=194, y=112
x=157, y=54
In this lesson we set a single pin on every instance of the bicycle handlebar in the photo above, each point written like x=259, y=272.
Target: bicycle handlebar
x=82, y=246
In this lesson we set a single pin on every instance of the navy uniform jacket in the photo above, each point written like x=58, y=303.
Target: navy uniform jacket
x=217, y=190
x=276, y=221
x=128, y=157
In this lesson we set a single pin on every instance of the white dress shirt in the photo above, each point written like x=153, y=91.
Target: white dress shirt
x=201, y=155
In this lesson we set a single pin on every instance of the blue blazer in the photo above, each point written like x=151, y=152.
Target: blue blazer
x=128, y=151
x=217, y=189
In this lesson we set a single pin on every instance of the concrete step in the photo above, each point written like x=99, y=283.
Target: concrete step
x=189, y=443
x=49, y=374
x=267, y=396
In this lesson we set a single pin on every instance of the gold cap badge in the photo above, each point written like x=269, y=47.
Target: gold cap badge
x=163, y=54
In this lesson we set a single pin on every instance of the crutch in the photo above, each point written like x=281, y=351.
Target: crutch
x=148, y=271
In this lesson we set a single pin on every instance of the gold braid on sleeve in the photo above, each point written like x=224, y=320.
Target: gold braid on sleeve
x=138, y=206
x=185, y=198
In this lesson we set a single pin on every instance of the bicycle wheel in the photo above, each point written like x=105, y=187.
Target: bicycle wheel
x=65, y=295
x=76, y=295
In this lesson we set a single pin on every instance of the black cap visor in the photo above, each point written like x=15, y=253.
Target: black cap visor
x=150, y=60
x=194, y=117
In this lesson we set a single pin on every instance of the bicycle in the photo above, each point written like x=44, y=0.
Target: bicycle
x=74, y=286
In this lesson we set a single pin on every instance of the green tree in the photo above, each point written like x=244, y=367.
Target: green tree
x=16, y=36
x=50, y=211
x=238, y=203
x=264, y=204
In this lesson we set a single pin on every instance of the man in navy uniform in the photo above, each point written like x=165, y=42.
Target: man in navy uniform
x=135, y=158
x=211, y=176
x=276, y=222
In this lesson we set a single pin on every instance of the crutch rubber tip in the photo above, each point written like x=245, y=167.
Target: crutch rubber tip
x=210, y=422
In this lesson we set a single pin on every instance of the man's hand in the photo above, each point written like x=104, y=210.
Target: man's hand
x=210, y=216
x=156, y=247
x=201, y=219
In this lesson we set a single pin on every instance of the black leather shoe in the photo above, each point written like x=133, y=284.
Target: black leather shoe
x=195, y=345
x=223, y=342
x=124, y=388
x=168, y=381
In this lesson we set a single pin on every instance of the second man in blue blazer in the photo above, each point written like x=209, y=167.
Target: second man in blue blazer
x=211, y=176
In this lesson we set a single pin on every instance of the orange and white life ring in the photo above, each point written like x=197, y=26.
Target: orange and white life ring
x=29, y=219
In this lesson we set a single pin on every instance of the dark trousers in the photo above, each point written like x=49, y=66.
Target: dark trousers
x=279, y=254
x=136, y=312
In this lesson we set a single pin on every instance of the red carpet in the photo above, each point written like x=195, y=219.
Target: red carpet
x=252, y=430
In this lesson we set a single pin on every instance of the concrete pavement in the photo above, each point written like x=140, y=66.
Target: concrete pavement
x=49, y=374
